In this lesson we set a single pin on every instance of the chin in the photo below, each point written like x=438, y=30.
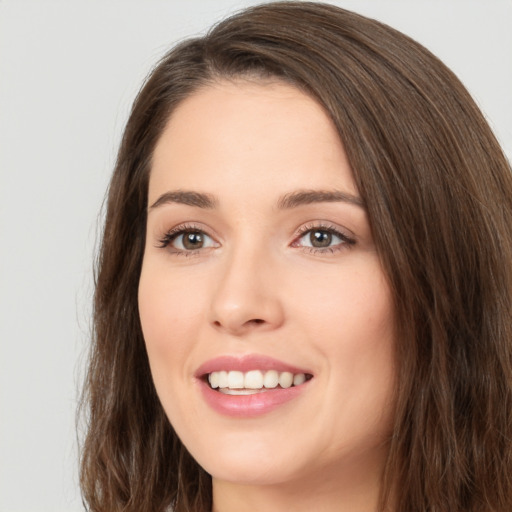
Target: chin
x=245, y=471
x=245, y=459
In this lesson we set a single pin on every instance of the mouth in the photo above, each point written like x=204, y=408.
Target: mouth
x=254, y=381
x=250, y=385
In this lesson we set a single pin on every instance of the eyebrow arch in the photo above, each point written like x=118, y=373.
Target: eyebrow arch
x=187, y=197
x=288, y=201
x=303, y=197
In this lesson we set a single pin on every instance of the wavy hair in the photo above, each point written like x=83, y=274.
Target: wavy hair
x=438, y=192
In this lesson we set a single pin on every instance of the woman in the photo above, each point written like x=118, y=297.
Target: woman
x=304, y=289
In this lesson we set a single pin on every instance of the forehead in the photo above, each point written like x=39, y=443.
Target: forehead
x=249, y=135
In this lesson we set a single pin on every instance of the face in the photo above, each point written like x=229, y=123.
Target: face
x=260, y=275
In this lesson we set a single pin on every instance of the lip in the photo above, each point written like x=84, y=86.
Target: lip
x=246, y=363
x=247, y=406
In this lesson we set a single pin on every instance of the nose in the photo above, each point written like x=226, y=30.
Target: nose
x=247, y=296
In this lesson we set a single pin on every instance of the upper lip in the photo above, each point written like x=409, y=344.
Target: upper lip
x=246, y=363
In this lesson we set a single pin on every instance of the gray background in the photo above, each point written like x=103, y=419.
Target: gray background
x=68, y=72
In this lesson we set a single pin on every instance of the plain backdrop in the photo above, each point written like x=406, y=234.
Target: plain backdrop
x=69, y=71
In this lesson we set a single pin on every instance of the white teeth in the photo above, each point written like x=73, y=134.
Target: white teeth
x=228, y=391
x=239, y=383
x=299, y=379
x=253, y=380
x=213, y=379
x=286, y=379
x=235, y=380
x=271, y=379
x=223, y=379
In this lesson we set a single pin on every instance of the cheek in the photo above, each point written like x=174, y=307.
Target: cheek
x=360, y=335
x=349, y=318
x=347, y=304
x=170, y=314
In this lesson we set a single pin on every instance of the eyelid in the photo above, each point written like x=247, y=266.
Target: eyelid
x=164, y=241
x=347, y=237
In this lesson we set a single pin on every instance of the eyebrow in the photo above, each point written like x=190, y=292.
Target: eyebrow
x=303, y=197
x=285, y=202
x=198, y=199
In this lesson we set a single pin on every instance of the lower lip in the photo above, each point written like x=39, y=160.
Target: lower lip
x=246, y=406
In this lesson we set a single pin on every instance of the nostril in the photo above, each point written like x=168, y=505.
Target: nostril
x=241, y=328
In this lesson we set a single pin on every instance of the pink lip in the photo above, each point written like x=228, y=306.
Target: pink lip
x=247, y=406
x=245, y=364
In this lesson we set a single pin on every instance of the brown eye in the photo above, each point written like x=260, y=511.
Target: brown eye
x=188, y=240
x=323, y=240
x=193, y=240
x=320, y=238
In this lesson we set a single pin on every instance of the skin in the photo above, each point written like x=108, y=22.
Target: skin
x=258, y=287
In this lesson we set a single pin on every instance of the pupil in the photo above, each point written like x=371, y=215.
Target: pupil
x=320, y=238
x=193, y=240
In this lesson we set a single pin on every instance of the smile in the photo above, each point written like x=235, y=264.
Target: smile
x=250, y=385
x=254, y=381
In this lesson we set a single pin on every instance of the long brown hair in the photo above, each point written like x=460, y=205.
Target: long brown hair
x=438, y=192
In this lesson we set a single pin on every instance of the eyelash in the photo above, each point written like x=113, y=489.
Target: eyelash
x=346, y=243
x=168, y=238
x=174, y=233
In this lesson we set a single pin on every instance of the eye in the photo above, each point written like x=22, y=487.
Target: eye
x=191, y=240
x=183, y=240
x=322, y=239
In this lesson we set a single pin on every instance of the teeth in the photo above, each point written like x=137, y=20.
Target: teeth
x=239, y=383
x=228, y=391
x=223, y=379
x=286, y=379
x=214, y=379
x=253, y=380
x=235, y=380
x=299, y=379
x=271, y=379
